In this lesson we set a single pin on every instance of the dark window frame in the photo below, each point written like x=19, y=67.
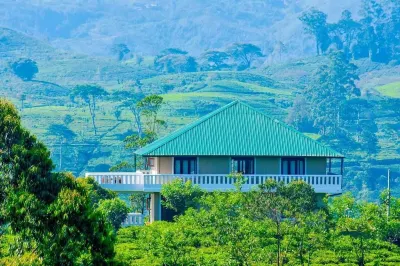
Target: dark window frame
x=243, y=158
x=296, y=170
x=188, y=158
x=150, y=161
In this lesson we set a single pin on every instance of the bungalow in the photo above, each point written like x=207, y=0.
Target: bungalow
x=234, y=138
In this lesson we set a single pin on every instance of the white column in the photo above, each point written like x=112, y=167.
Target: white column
x=155, y=207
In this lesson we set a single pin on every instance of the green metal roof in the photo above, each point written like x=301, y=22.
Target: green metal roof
x=237, y=130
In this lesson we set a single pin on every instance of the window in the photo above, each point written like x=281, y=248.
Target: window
x=150, y=162
x=185, y=165
x=292, y=166
x=244, y=165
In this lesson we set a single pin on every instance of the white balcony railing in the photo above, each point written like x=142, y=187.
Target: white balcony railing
x=133, y=218
x=124, y=181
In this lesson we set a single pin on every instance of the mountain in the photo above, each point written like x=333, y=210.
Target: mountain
x=92, y=26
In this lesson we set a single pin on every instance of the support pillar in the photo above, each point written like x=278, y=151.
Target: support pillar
x=155, y=207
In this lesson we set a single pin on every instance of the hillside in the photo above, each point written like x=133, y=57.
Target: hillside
x=270, y=88
x=91, y=27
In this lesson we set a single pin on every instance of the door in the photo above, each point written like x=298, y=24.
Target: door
x=185, y=165
x=292, y=166
x=244, y=165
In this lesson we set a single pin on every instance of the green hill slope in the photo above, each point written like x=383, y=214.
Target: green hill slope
x=188, y=96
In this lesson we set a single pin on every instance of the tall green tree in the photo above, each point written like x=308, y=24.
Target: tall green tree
x=115, y=210
x=333, y=85
x=89, y=94
x=129, y=100
x=49, y=213
x=149, y=108
x=315, y=24
x=348, y=30
x=146, y=112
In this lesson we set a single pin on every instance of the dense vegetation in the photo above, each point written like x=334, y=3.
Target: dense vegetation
x=271, y=225
x=50, y=218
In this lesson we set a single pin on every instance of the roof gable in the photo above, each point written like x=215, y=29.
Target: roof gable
x=237, y=129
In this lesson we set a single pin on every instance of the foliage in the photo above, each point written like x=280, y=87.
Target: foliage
x=214, y=60
x=50, y=215
x=275, y=224
x=179, y=195
x=24, y=68
x=115, y=210
x=96, y=192
x=138, y=202
x=333, y=86
x=174, y=60
x=120, y=50
x=63, y=133
x=244, y=54
x=89, y=94
x=315, y=24
x=371, y=37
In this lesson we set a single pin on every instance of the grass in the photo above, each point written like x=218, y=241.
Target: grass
x=390, y=90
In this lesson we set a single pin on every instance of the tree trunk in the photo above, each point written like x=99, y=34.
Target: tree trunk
x=278, y=234
x=136, y=115
x=92, y=113
x=60, y=155
x=301, y=254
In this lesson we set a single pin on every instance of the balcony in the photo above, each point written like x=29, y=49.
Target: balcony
x=134, y=219
x=147, y=182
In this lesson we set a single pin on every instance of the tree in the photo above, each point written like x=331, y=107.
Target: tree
x=214, y=60
x=348, y=31
x=150, y=107
x=89, y=94
x=115, y=210
x=148, y=112
x=355, y=225
x=299, y=114
x=333, y=85
x=244, y=54
x=129, y=100
x=315, y=24
x=24, y=68
x=120, y=50
x=273, y=201
x=173, y=60
x=145, y=112
x=49, y=213
x=179, y=195
x=138, y=202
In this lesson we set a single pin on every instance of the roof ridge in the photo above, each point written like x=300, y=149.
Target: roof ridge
x=289, y=127
x=180, y=131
